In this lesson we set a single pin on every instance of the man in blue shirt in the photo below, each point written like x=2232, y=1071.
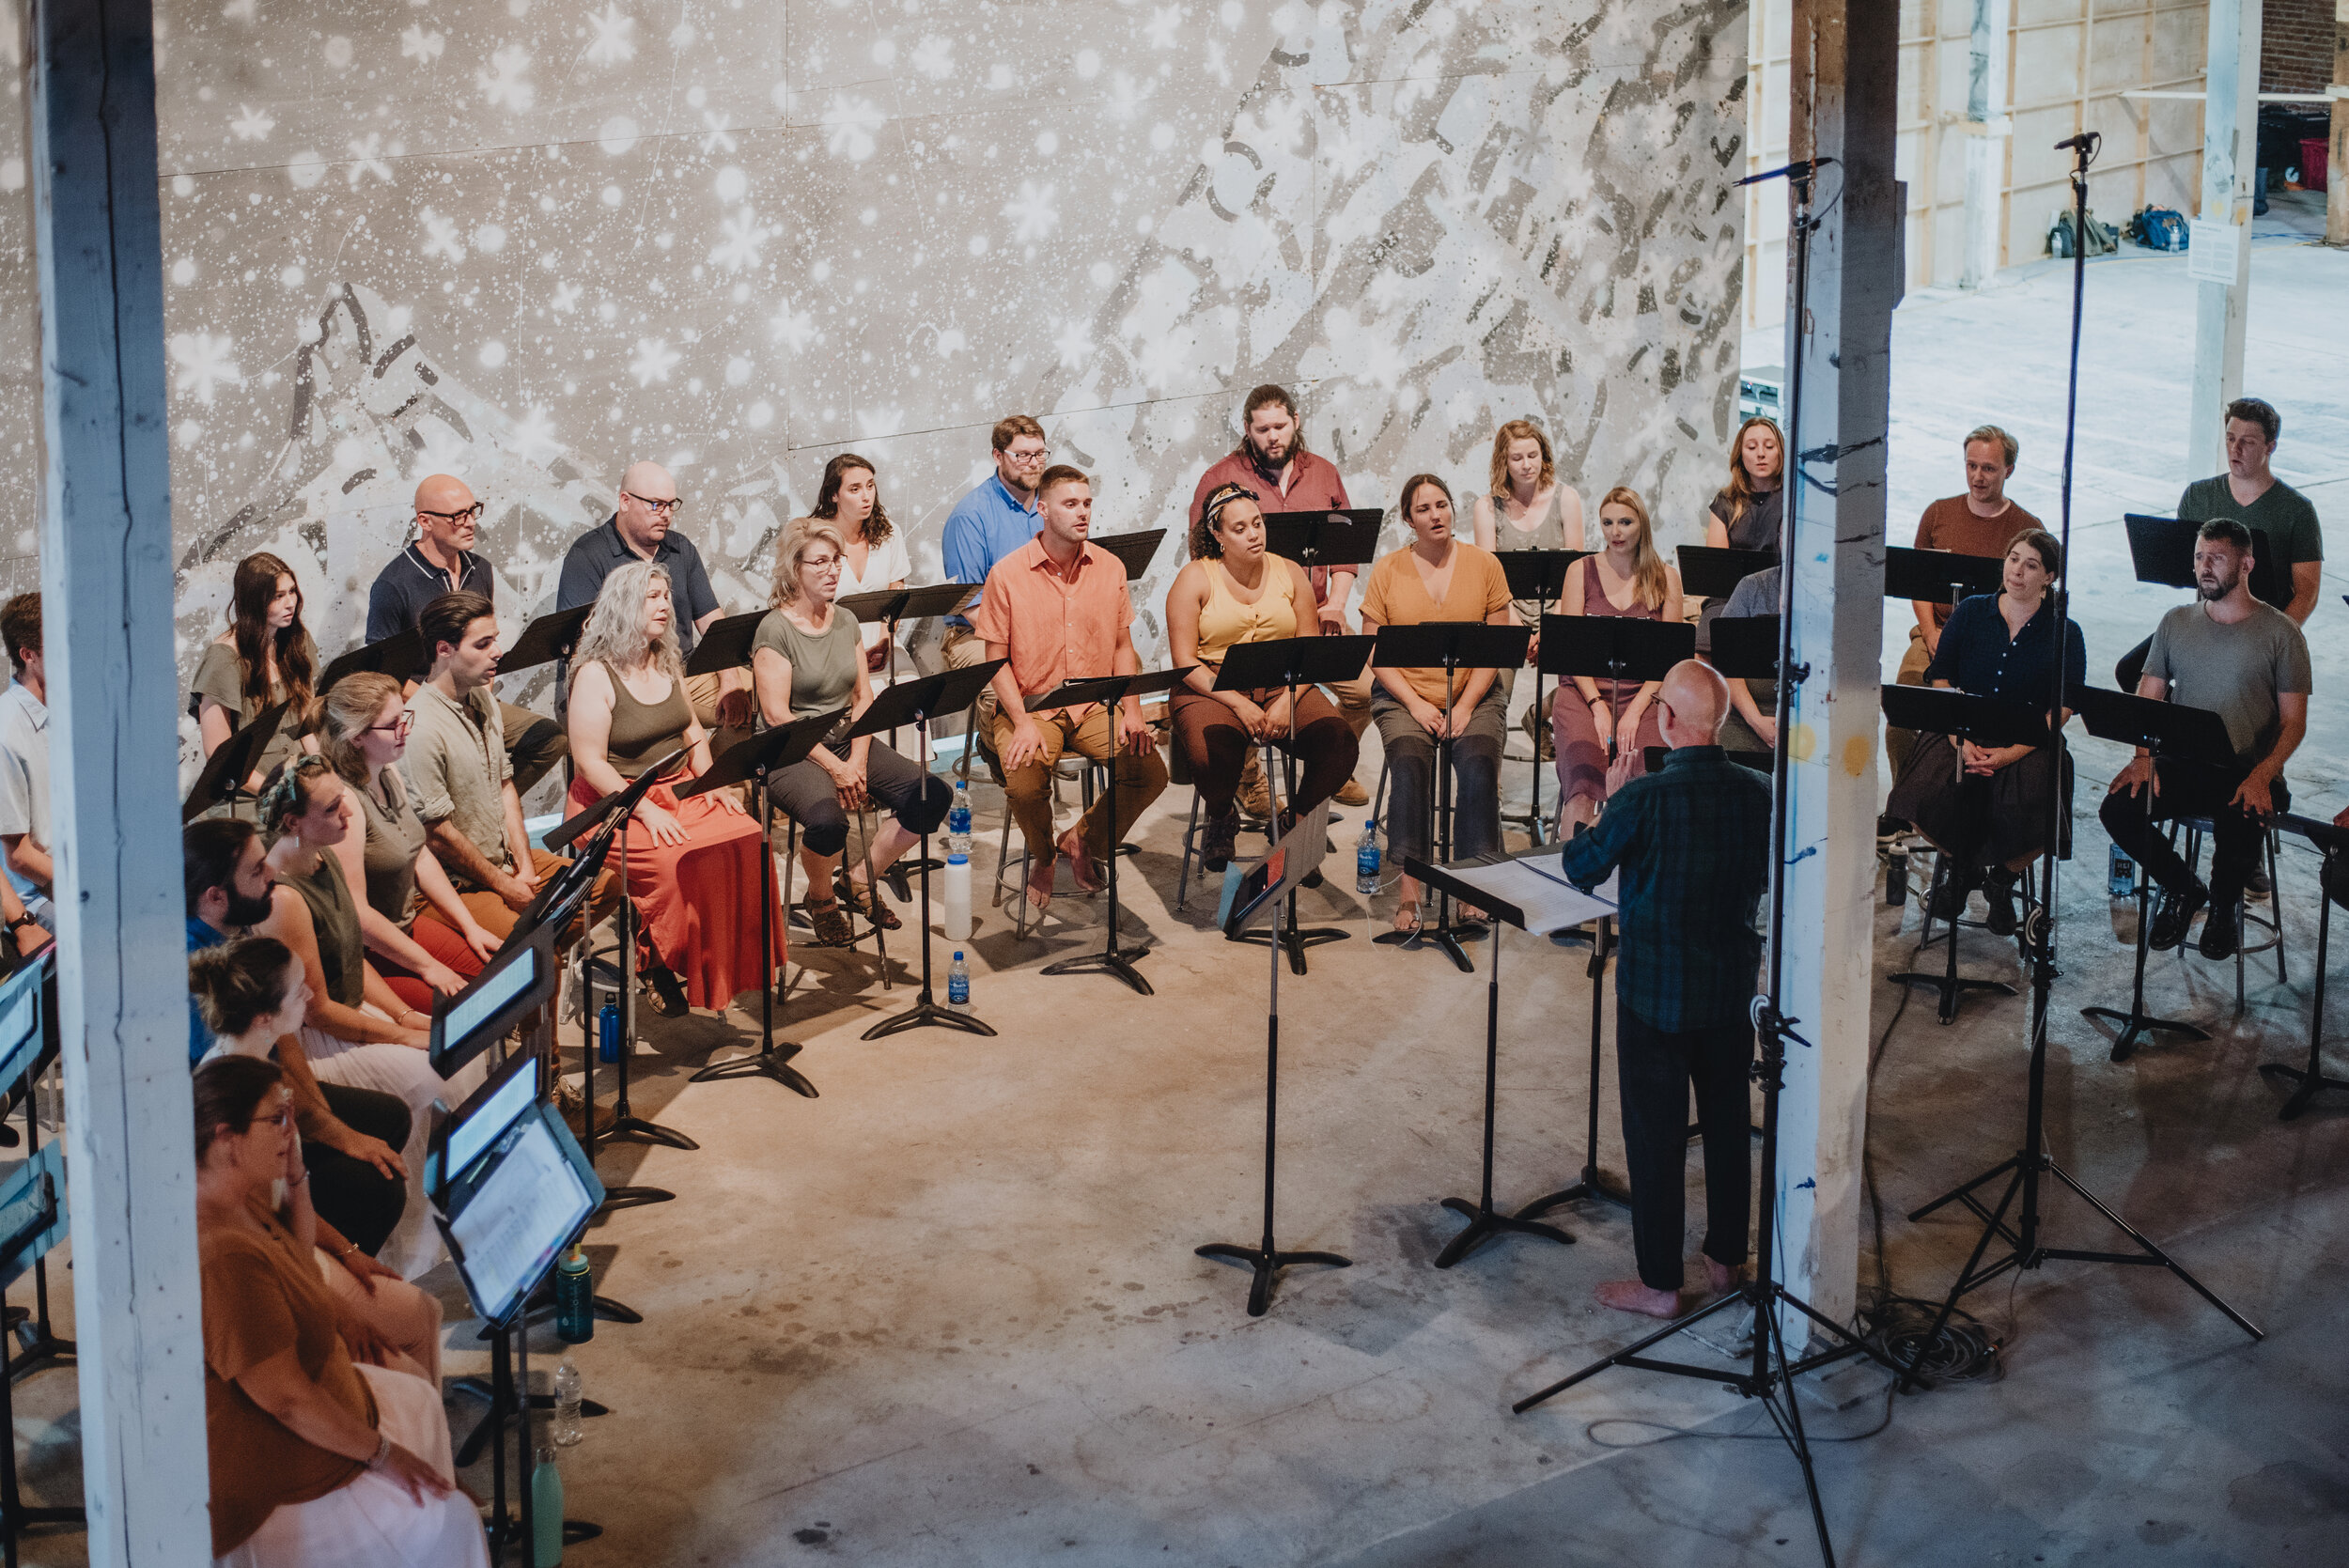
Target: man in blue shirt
x=988, y=524
x=1692, y=840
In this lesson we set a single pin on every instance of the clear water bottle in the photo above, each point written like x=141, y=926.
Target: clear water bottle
x=958, y=821
x=1366, y=858
x=2120, y=874
x=958, y=984
x=566, y=1403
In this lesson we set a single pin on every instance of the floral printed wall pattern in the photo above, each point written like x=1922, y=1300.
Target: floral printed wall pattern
x=530, y=241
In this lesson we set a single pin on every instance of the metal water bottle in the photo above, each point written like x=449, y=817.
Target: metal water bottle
x=1896, y=876
x=574, y=1298
x=546, y=1512
x=958, y=984
x=2120, y=874
x=1366, y=858
x=608, y=1032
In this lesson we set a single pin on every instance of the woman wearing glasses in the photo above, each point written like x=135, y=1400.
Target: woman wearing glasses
x=265, y=658
x=423, y=939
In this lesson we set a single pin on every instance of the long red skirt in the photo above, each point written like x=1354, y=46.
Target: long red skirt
x=699, y=899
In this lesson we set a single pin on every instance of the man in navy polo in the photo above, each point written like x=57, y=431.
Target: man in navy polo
x=442, y=561
x=988, y=524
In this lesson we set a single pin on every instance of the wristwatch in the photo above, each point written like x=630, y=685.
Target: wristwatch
x=383, y=1452
x=21, y=922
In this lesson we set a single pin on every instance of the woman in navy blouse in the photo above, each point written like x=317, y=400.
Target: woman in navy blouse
x=1986, y=808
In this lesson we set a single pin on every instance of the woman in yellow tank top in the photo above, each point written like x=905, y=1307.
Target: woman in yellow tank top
x=1235, y=592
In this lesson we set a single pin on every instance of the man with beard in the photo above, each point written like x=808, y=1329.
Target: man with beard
x=351, y=1138
x=1271, y=462
x=2246, y=663
x=994, y=518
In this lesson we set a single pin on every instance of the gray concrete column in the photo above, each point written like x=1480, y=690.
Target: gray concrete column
x=1987, y=128
x=105, y=573
x=2337, y=161
x=2230, y=111
x=1842, y=96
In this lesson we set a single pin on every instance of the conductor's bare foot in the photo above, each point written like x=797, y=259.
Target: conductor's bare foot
x=1630, y=1296
x=1721, y=1278
x=1081, y=866
x=1040, y=881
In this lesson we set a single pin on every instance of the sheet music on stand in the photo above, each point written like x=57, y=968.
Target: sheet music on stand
x=1535, y=888
x=525, y=1209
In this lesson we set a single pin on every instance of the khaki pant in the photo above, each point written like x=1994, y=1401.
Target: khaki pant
x=963, y=649
x=1353, y=700
x=498, y=919
x=534, y=744
x=1028, y=789
x=1898, y=743
x=702, y=693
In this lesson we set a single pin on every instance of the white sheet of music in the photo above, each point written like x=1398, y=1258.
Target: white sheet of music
x=527, y=1208
x=1535, y=884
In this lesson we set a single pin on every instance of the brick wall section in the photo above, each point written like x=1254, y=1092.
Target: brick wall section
x=2297, y=46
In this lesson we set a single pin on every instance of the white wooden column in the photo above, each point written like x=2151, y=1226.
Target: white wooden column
x=105, y=558
x=2230, y=112
x=2337, y=161
x=1843, y=84
x=1987, y=127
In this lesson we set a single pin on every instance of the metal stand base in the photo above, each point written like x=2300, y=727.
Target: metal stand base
x=634, y=1198
x=773, y=1064
x=1118, y=961
x=1268, y=1265
x=925, y=1011
x=1294, y=941
x=487, y=1427
x=2136, y=1021
x=637, y=1130
x=1484, y=1225
x=1449, y=935
x=2311, y=1083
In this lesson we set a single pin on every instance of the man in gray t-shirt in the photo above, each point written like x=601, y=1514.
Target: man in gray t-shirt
x=2246, y=662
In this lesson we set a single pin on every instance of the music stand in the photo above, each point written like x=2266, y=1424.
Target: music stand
x=1538, y=575
x=2161, y=551
x=33, y=1221
x=1614, y=648
x=1745, y=647
x=1709, y=571
x=400, y=655
x=547, y=638
x=1531, y=896
x=1134, y=551
x=517, y=981
x=221, y=783
x=1289, y=859
x=726, y=646
x=763, y=753
x=2177, y=733
x=2329, y=842
x=1985, y=722
x=1337, y=538
x=1109, y=691
x=914, y=701
x=1291, y=663
x=1940, y=576
x=888, y=606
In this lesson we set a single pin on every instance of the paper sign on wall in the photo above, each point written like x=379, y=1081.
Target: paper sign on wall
x=2215, y=253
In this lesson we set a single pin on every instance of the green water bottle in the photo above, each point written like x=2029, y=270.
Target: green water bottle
x=574, y=1298
x=546, y=1512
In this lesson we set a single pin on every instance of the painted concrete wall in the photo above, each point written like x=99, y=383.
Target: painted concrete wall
x=530, y=241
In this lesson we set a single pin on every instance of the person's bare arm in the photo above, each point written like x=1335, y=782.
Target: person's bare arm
x=590, y=729
x=282, y=1389
x=29, y=860
x=2307, y=578
x=316, y=1120
x=1341, y=589
x=289, y=923
x=1131, y=732
x=455, y=848
x=377, y=929
x=2139, y=772
x=2257, y=791
x=1487, y=528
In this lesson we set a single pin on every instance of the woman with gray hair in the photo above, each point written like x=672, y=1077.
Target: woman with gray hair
x=693, y=866
x=806, y=659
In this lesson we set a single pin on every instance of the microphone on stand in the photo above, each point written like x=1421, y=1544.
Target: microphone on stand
x=1801, y=170
x=2087, y=141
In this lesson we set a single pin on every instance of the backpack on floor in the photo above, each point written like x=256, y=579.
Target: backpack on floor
x=2159, y=229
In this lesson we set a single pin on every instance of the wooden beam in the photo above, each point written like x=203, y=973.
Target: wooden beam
x=2230, y=154
x=2337, y=160
x=106, y=560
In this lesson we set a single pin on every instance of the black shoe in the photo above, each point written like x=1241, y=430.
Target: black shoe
x=2222, y=931
x=668, y=992
x=2256, y=884
x=1220, y=837
x=2173, y=915
x=1951, y=885
x=1999, y=889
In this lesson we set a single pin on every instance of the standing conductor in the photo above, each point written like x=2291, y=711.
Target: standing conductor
x=1693, y=841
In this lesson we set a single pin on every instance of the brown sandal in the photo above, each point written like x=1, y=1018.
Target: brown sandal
x=828, y=927
x=872, y=909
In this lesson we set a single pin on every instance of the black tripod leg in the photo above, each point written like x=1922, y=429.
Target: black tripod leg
x=2151, y=1254
x=1794, y=1437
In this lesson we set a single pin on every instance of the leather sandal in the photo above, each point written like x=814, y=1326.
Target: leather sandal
x=871, y=907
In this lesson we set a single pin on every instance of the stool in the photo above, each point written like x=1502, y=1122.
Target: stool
x=2272, y=922
x=1178, y=771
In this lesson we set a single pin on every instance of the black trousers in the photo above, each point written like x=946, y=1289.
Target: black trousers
x=805, y=793
x=349, y=1193
x=1654, y=1070
x=2190, y=789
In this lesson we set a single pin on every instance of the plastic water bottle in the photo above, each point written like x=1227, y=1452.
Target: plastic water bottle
x=608, y=1032
x=957, y=886
x=959, y=822
x=2120, y=874
x=958, y=984
x=566, y=1403
x=546, y=1512
x=574, y=1298
x=1366, y=858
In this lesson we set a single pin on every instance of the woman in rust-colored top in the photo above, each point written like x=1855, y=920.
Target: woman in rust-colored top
x=314, y=1458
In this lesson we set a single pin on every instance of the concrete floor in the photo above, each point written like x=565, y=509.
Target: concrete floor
x=949, y=1312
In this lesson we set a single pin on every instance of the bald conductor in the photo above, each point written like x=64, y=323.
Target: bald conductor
x=1693, y=842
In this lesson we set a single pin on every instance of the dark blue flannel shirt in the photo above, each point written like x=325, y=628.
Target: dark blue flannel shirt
x=1693, y=841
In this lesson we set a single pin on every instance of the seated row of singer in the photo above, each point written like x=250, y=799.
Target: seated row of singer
x=1988, y=809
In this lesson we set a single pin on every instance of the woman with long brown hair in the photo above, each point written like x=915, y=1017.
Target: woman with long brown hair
x=265, y=658
x=872, y=551
x=1594, y=723
x=1746, y=511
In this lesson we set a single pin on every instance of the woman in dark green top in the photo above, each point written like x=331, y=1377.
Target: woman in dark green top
x=807, y=659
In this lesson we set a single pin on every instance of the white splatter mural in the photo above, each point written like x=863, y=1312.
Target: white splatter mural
x=528, y=241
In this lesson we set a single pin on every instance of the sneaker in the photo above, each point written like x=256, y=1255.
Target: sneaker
x=1255, y=795
x=1218, y=838
x=1999, y=891
x=1351, y=793
x=2222, y=931
x=2172, y=916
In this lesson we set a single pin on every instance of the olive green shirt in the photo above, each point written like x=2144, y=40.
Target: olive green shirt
x=456, y=769
x=823, y=669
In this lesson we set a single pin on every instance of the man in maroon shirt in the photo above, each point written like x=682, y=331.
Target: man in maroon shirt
x=1271, y=460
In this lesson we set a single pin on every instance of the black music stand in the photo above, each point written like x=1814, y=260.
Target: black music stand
x=1940, y=576
x=1745, y=647
x=1985, y=722
x=32, y=1221
x=1133, y=550
x=1614, y=648
x=1288, y=862
x=1109, y=691
x=547, y=638
x=726, y=646
x=1337, y=538
x=1484, y=1220
x=614, y=812
x=1709, y=571
x=2174, y=732
x=915, y=702
x=221, y=783
x=754, y=759
x=1456, y=645
x=1539, y=575
x=1291, y=663
x=2329, y=842
x=402, y=655
x=2161, y=551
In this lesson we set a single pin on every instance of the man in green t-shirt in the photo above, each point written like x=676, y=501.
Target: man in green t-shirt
x=2250, y=493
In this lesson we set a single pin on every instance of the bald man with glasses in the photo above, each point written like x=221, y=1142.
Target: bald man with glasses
x=442, y=560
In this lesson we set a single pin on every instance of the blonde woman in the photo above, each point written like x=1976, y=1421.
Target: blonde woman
x=806, y=659
x=1526, y=508
x=1597, y=724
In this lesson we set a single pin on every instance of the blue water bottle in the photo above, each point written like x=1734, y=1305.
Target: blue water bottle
x=608, y=1032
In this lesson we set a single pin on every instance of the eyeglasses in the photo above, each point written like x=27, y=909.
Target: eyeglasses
x=673, y=504
x=1027, y=459
x=283, y=1117
x=399, y=725
x=469, y=514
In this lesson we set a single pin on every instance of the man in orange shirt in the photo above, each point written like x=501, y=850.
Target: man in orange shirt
x=1058, y=609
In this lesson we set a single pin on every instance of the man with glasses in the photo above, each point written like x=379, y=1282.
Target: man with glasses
x=442, y=561
x=643, y=527
x=988, y=524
